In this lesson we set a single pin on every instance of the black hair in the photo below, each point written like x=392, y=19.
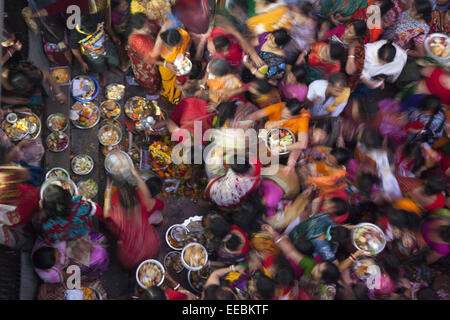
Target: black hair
x=360, y=291
x=403, y=219
x=423, y=7
x=171, y=37
x=330, y=273
x=365, y=182
x=342, y=155
x=153, y=293
x=219, y=227
x=154, y=185
x=304, y=245
x=337, y=51
x=337, y=78
x=427, y=293
x=89, y=23
x=44, y=258
x=391, y=263
x=127, y=193
x=115, y=3
x=387, y=51
x=263, y=86
x=240, y=164
x=341, y=206
x=225, y=111
x=216, y=292
x=3, y=154
x=360, y=28
x=386, y=5
x=307, y=8
x=285, y=275
x=24, y=77
x=265, y=288
x=233, y=243
x=246, y=217
x=57, y=201
x=340, y=235
x=413, y=150
x=299, y=72
x=281, y=37
x=430, y=102
x=294, y=106
x=220, y=67
x=322, y=123
x=435, y=184
x=135, y=22
x=221, y=42
x=196, y=70
x=444, y=232
x=371, y=139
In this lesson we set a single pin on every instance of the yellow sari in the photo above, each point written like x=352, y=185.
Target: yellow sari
x=169, y=78
x=270, y=21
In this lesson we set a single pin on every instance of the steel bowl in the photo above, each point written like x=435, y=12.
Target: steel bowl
x=170, y=254
x=273, y=131
x=47, y=175
x=373, y=226
x=169, y=230
x=102, y=129
x=93, y=125
x=114, y=156
x=73, y=162
x=73, y=187
x=58, y=132
x=186, y=265
x=53, y=114
x=150, y=261
x=103, y=114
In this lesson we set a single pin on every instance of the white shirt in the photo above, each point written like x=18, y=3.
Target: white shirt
x=317, y=90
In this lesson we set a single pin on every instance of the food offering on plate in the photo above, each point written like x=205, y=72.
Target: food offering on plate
x=111, y=122
x=85, y=115
x=150, y=273
x=57, y=141
x=439, y=45
x=82, y=164
x=365, y=268
x=173, y=261
x=197, y=279
x=35, y=124
x=61, y=75
x=65, y=183
x=182, y=64
x=109, y=135
x=368, y=238
x=135, y=154
x=88, y=188
x=194, y=256
x=18, y=130
x=115, y=91
x=110, y=109
x=195, y=236
x=160, y=155
x=118, y=163
x=106, y=150
x=84, y=88
x=176, y=236
x=57, y=122
x=57, y=173
x=137, y=108
x=280, y=137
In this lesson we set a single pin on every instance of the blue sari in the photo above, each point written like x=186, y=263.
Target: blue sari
x=275, y=62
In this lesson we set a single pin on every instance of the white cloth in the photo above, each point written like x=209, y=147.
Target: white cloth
x=373, y=67
x=317, y=90
x=74, y=294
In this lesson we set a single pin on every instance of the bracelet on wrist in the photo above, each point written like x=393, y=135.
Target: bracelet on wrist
x=279, y=239
x=177, y=286
x=351, y=56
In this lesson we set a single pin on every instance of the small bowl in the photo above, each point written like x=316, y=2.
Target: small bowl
x=103, y=109
x=112, y=128
x=73, y=161
x=168, y=233
x=274, y=130
x=186, y=265
x=47, y=176
x=49, y=181
x=169, y=254
x=113, y=156
x=55, y=114
x=11, y=118
x=149, y=261
x=373, y=226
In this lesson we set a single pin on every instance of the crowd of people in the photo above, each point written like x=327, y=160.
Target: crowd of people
x=370, y=115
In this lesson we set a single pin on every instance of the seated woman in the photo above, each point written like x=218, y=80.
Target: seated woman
x=270, y=49
x=352, y=35
x=411, y=28
x=293, y=84
x=50, y=261
x=326, y=57
x=130, y=212
x=222, y=45
x=384, y=61
x=22, y=85
x=18, y=202
x=270, y=16
x=64, y=217
x=435, y=231
x=230, y=190
x=291, y=115
x=426, y=118
x=429, y=194
x=222, y=83
x=263, y=94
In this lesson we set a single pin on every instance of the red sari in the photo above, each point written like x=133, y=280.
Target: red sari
x=315, y=60
x=139, y=239
x=146, y=75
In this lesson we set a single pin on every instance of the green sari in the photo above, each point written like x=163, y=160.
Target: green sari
x=345, y=8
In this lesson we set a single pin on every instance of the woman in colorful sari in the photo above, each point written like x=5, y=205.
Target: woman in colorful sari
x=440, y=21
x=270, y=50
x=270, y=16
x=230, y=190
x=222, y=83
x=18, y=203
x=170, y=44
x=326, y=57
x=352, y=36
x=411, y=28
x=141, y=35
x=65, y=217
x=436, y=231
x=293, y=84
x=50, y=262
x=263, y=94
x=130, y=213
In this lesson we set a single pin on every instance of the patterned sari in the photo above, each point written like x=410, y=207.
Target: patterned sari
x=274, y=17
x=276, y=63
x=169, y=78
x=345, y=8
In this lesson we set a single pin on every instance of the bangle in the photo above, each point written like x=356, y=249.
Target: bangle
x=9, y=51
x=351, y=56
x=164, y=63
x=284, y=148
x=177, y=286
x=232, y=268
x=279, y=239
x=352, y=257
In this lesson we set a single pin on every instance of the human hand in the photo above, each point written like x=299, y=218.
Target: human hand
x=17, y=46
x=270, y=230
x=84, y=67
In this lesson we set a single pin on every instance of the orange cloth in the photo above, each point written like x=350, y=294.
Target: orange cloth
x=296, y=125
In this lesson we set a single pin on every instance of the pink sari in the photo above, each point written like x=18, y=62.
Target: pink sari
x=139, y=240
